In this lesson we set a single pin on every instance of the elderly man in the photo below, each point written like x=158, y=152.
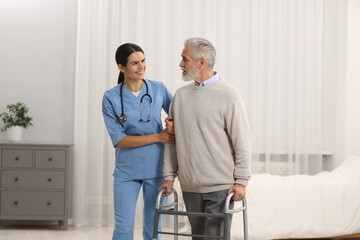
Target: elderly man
x=211, y=156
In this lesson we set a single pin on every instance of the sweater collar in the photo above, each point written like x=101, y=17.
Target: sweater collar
x=209, y=81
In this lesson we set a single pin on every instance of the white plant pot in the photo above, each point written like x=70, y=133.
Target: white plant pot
x=15, y=133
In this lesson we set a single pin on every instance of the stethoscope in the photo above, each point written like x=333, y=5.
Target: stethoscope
x=123, y=117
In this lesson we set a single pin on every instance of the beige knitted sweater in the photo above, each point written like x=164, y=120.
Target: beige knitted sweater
x=213, y=145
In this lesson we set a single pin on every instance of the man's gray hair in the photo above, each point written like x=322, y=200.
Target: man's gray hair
x=202, y=48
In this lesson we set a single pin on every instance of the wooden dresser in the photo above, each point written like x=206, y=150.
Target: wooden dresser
x=34, y=181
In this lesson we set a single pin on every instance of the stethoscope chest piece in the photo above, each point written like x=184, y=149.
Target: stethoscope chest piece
x=123, y=118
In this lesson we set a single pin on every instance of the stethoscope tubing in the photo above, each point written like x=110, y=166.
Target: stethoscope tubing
x=123, y=117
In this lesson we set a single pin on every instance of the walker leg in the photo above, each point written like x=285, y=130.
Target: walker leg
x=245, y=220
x=176, y=223
x=156, y=223
x=226, y=234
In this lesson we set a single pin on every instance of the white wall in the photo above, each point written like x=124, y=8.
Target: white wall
x=341, y=80
x=352, y=111
x=37, y=64
x=335, y=35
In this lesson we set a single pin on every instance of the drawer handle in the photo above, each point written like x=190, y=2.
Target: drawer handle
x=50, y=159
x=17, y=158
x=49, y=180
x=15, y=203
x=48, y=203
x=16, y=179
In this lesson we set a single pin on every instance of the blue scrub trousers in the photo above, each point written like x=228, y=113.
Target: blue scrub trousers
x=125, y=197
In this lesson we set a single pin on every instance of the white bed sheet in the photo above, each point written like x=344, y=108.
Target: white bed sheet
x=302, y=206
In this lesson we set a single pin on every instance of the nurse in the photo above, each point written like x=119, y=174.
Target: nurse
x=132, y=115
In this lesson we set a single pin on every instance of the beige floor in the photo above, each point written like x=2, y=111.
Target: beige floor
x=73, y=233
x=87, y=233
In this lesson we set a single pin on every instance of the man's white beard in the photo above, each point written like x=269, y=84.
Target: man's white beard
x=191, y=76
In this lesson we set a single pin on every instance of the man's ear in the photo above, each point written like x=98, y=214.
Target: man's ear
x=201, y=62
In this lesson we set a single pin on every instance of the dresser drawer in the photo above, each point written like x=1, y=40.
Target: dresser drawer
x=14, y=158
x=25, y=203
x=33, y=179
x=50, y=159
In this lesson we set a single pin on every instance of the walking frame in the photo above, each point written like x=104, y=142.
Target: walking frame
x=172, y=209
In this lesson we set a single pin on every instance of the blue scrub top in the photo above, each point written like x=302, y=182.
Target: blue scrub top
x=139, y=162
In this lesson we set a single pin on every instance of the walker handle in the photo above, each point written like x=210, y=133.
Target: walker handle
x=160, y=195
x=227, y=204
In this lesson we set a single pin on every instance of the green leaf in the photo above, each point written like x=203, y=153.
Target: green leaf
x=17, y=115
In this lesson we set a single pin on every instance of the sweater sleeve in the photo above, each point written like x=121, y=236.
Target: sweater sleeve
x=170, y=157
x=170, y=162
x=239, y=131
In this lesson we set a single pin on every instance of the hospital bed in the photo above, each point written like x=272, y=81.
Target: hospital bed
x=325, y=205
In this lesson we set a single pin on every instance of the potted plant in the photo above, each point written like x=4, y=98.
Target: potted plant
x=16, y=119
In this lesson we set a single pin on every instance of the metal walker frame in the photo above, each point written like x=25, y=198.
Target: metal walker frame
x=172, y=209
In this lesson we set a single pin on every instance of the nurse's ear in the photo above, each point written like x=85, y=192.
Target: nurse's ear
x=121, y=68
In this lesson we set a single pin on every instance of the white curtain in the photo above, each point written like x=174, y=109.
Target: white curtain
x=270, y=50
x=285, y=86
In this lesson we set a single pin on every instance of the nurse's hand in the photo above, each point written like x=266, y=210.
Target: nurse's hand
x=166, y=137
x=168, y=185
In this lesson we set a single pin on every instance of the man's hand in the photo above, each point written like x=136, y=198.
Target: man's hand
x=239, y=192
x=168, y=185
x=169, y=123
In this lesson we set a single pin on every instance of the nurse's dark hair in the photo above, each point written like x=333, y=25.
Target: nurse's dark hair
x=122, y=54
